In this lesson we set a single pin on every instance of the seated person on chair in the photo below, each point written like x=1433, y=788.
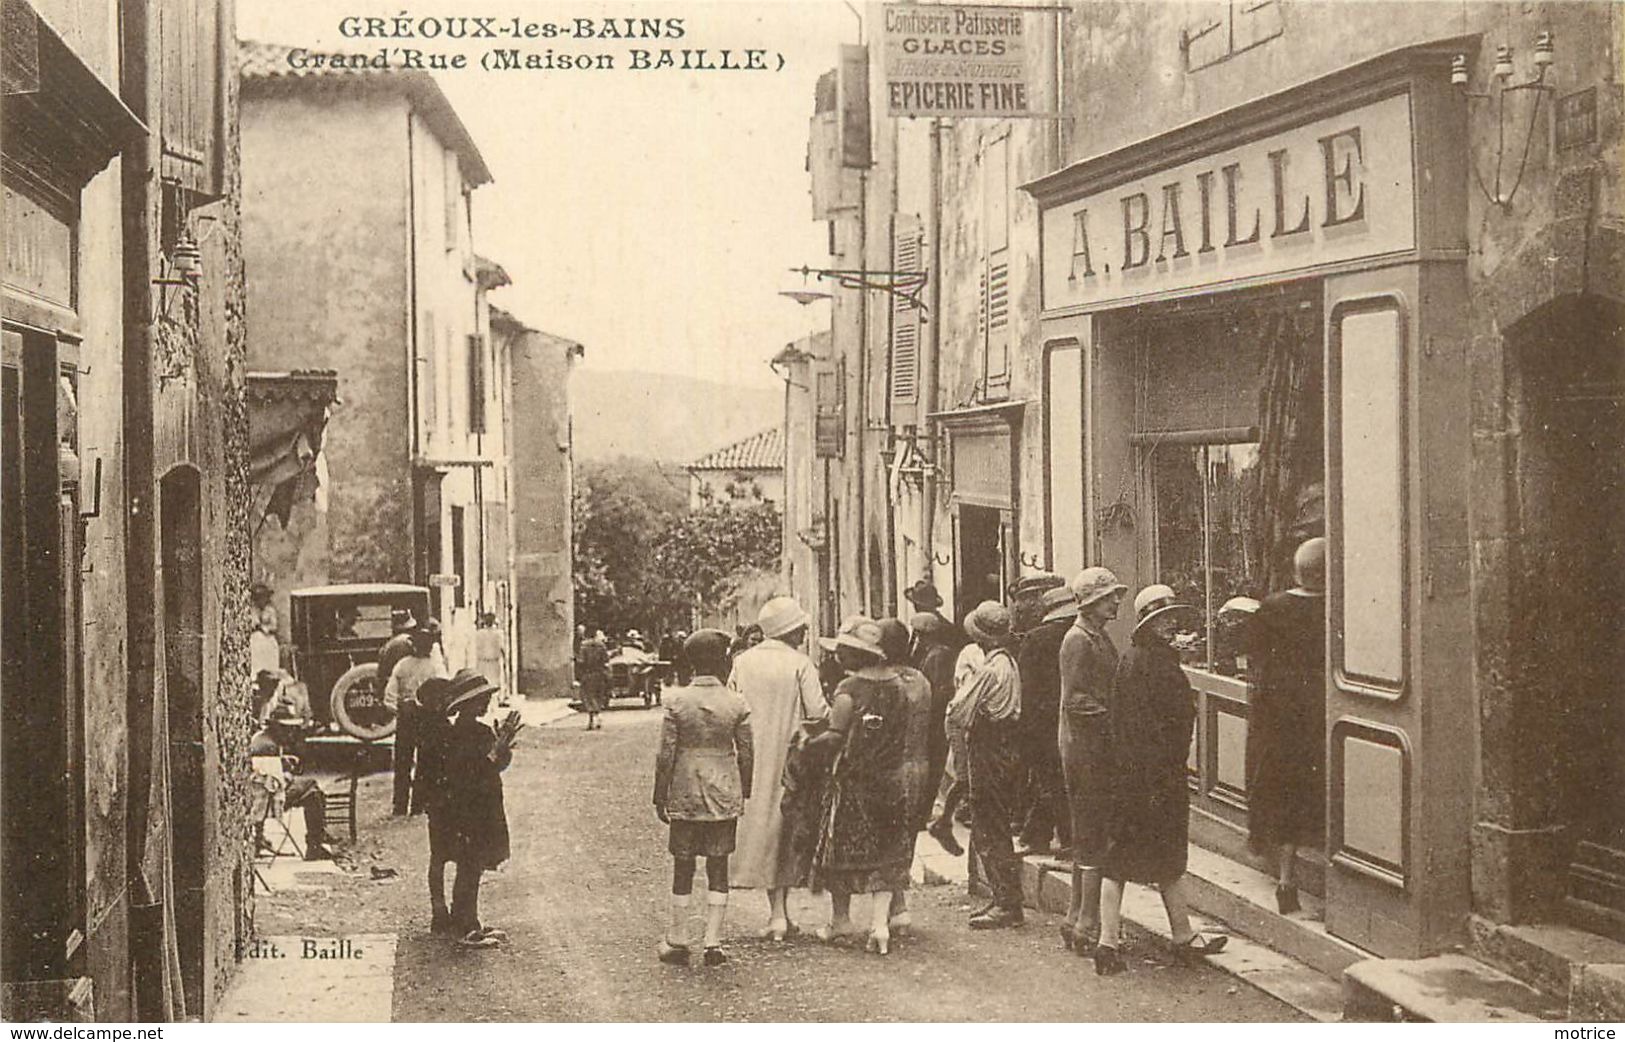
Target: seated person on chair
x=276, y=739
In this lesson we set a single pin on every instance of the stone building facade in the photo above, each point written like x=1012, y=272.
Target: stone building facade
x=1283, y=269
x=360, y=246
x=536, y=371
x=124, y=798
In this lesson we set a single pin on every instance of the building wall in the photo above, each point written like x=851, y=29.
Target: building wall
x=542, y=486
x=326, y=247
x=1131, y=72
x=190, y=794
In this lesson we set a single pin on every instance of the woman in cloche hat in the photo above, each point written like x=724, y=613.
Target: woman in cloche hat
x=1153, y=716
x=867, y=840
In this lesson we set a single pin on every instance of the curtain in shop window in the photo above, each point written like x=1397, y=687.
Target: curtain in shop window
x=1289, y=505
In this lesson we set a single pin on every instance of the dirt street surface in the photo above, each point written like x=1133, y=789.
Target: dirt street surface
x=584, y=901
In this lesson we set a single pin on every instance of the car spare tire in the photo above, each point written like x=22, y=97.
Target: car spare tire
x=358, y=704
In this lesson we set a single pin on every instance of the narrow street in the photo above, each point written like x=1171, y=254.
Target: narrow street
x=583, y=901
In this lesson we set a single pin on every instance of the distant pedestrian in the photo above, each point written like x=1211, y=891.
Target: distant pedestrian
x=592, y=670
x=988, y=710
x=702, y=779
x=400, y=692
x=1039, y=661
x=1153, y=716
x=865, y=842
x=1286, y=740
x=475, y=757
x=490, y=656
x=1088, y=664
x=402, y=624
x=780, y=684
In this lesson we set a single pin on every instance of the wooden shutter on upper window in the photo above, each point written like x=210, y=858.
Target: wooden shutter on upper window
x=191, y=106
x=994, y=317
x=907, y=324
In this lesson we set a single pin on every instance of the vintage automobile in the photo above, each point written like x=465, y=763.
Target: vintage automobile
x=336, y=634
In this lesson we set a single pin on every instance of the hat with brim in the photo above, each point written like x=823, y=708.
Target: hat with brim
x=923, y=595
x=1093, y=584
x=780, y=616
x=989, y=621
x=1059, y=604
x=1153, y=602
x=467, y=686
x=285, y=715
x=861, y=634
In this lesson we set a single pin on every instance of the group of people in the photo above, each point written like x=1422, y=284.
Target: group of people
x=783, y=774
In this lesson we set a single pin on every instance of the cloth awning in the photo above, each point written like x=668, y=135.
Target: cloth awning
x=287, y=420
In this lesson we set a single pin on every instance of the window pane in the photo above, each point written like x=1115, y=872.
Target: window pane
x=1237, y=552
x=1176, y=480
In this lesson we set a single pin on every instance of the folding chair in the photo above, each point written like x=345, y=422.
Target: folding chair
x=268, y=774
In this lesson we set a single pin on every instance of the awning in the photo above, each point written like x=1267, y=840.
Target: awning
x=287, y=420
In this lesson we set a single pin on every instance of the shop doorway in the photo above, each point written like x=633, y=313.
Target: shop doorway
x=979, y=557
x=1573, y=491
x=182, y=555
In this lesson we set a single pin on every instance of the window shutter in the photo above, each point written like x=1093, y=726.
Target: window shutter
x=190, y=109
x=476, y=383
x=830, y=420
x=908, y=254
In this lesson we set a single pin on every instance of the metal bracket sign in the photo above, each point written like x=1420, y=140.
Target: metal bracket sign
x=953, y=60
x=446, y=580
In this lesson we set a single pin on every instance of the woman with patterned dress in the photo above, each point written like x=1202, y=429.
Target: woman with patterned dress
x=866, y=843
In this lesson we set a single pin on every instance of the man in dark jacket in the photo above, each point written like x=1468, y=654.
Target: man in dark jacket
x=933, y=655
x=1039, y=661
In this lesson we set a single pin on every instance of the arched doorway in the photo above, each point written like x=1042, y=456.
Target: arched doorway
x=1570, y=398
x=182, y=556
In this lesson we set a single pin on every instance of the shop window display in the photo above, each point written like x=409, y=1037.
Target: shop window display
x=1208, y=547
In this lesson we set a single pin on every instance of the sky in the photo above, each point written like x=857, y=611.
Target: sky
x=653, y=216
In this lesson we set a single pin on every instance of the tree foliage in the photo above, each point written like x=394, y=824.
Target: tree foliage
x=644, y=560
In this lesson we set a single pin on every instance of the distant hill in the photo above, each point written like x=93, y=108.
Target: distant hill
x=670, y=418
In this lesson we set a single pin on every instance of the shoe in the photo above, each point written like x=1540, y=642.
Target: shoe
x=1069, y=937
x=1198, y=947
x=1286, y=900
x=494, y=932
x=998, y=919
x=943, y=833
x=440, y=925
x=830, y=935
x=476, y=939
x=879, y=943
x=1085, y=943
x=318, y=852
x=900, y=923
x=671, y=954
x=1108, y=962
x=715, y=957
x=777, y=930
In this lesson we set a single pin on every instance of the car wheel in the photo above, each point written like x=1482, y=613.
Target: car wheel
x=358, y=704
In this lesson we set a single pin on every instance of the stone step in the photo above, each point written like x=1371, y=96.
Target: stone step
x=1047, y=885
x=1561, y=960
x=1244, y=899
x=1442, y=989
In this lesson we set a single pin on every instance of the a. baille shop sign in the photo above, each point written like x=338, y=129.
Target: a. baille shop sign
x=1337, y=190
